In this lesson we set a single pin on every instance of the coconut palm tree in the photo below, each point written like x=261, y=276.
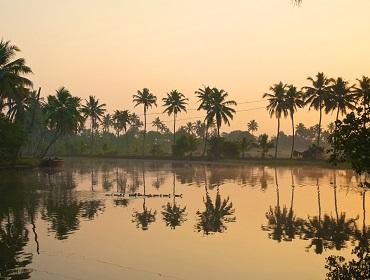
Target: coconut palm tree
x=107, y=122
x=264, y=144
x=147, y=99
x=11, y=72
x=63, y=115
x=363, y=91
x=135, y=121
x=158, y=124
x=121, y=120
x=341, y=97
x=219, y=109
x=189, y=128
x=93, y=110
x=293, y=101
x=174, y=103
x=317, y=96
x=276, y=106
x=252, y=126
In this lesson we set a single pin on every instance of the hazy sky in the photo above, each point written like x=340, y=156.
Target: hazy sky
x=113, y=48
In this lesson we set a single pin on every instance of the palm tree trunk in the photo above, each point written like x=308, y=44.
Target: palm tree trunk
x=174, y=128
x=336, y=119
x=293, y=134
x=218, y=142
x=205, y=138
x=319, y=201
x=53, y=140
x=144, y=130
x=319, y=132
x=277, y=137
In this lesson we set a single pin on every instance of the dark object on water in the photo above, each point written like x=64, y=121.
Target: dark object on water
x=49, y=162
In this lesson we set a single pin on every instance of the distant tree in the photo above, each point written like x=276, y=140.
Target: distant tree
x=317, y=96
x=264, y=144
x=62, y=114
x=293, y=101
x=135, y=121
x=189, y=128
x=301, y=130
x=157, y=123
x=277, y=106
x=252, y=126
x=93, y=110
x=148, y=100
x=121, y=120
x=107, y=123
x=174, y=103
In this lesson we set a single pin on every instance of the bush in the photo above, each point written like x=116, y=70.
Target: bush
x=185, y=144
x=221, y=148
x=12, y=137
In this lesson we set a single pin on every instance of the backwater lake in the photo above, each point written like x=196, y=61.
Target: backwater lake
x=145, y=219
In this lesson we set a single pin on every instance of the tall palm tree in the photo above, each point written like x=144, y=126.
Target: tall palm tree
x=147, y=99
x=62, y=114
x=204, y=97
x=363, y=91
x=93, y=110
x=341, y=97
x=317, y=96
x=174, y=103
x=107, y=123
x=293, y=100
x=219, y=109
x=276, y=106
x=252, y=126
x=11, y=72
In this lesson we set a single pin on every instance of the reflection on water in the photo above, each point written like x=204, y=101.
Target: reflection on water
x=190, y=213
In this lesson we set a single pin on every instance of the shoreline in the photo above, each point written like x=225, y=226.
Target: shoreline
x=30, y=163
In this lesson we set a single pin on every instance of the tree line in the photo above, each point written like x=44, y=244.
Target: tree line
x=32, y=125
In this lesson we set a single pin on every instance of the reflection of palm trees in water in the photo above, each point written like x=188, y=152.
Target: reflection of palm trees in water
x=145, y=218
x=282, y=223
x=329, y=232
x=173, y=215
x=216, y=215
x=359, y=267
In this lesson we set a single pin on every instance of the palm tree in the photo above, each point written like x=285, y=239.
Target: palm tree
x=276, y=106
x=341, y=97
x=121, y=121
x=264, y=144
x=147, y=99
x=219, y=109
x=11, y=72
x=317, y=96
x=252, y=126
x=174, y=103
x=135, y=121
x=62, y=115
x=293, y=100
x=157, y=123
x=93, y=110
x=204, y=97
x=189, y=128
x=107, y=123
x=363, y=91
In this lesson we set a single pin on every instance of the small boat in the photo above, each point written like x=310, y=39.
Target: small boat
x=52, y=162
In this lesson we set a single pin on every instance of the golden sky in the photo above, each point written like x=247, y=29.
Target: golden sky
x=113, y=48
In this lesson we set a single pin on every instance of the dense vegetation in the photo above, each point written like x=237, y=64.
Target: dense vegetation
x=63, y=124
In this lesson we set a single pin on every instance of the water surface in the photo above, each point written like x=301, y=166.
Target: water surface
x=132, y=219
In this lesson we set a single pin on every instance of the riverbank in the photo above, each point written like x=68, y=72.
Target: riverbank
x=250, y=161
x=22, y=163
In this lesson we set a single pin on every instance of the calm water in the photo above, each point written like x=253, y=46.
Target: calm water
x=224, y=222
